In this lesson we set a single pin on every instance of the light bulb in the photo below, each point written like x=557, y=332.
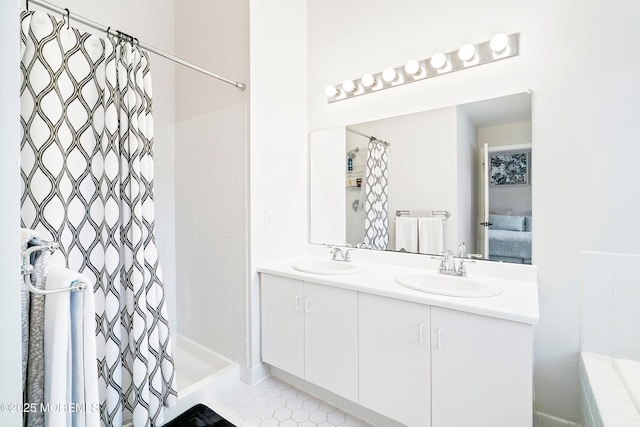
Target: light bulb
x=412, y=67
x=438, y=60
x=389, y=75
x=331, y=91
x=368, y=80
x=467, y=52
x=349, y=86
x=499, y=42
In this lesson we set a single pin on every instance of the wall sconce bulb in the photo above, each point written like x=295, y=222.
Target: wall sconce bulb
x=499, y=42
x=368, y=80
x=389, y=75
x=438, y=60
x=412, y=67
x=349, y=86
x=467, y=52
x=331, y=91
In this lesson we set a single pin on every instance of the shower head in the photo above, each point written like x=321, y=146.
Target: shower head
x=351, y=154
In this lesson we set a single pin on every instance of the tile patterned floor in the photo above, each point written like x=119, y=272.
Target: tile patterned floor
x=275, y=403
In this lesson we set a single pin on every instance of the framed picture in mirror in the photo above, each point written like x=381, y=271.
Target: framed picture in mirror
x=509, y=169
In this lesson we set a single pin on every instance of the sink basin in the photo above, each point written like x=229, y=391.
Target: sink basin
x=327, y=266
x=447, y=285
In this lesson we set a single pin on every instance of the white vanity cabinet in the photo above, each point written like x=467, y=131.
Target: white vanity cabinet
x=481, y=370
x=395, y=358
x=311, y=331
x=416, y=363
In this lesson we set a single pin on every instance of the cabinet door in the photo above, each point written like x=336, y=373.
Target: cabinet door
x=331, y=339
x=481, y=370
x=282, y=316
x=394, y=359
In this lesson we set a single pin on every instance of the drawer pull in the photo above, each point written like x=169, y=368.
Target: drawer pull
x=307, y=305
x=420, y=336
x=297, y=302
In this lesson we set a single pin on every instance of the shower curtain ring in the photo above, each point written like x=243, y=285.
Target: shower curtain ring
x=68, y=17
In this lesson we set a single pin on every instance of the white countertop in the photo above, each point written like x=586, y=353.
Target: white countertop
x=518, y=301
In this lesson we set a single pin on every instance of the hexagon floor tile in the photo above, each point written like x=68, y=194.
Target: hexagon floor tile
x=275, y=403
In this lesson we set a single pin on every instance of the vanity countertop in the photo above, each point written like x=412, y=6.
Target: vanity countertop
x=518, y=301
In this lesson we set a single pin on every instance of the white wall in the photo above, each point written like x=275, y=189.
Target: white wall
x=213, y=34
x=10, y=356
x=584, y=125
x=279, y=133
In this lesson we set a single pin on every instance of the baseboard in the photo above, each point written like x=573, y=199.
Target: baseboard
x=540, y=419
x=255, y=374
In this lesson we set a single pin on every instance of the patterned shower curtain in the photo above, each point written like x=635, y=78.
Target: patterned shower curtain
x=87, y=177
x=376, y=222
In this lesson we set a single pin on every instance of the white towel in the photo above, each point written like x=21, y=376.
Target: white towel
x=407, y=234
x=430, y=235
x=71, y=372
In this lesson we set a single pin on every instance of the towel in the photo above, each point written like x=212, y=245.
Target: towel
x=33, y=331
x=430, y=235
x=407, y=234
x=71, y=372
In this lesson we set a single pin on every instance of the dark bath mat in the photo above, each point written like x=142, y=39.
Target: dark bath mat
x=199, y=416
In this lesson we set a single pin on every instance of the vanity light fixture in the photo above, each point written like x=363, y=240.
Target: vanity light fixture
x=501, y=46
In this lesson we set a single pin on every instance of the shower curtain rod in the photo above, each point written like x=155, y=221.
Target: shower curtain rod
x=108, y=30
x=372, y=138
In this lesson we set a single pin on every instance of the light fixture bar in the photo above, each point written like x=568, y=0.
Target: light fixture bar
x=466, y=57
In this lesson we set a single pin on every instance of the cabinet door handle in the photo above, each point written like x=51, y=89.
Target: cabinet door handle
x=420, y=329
x=297, y=302
x=307, y=305
x=439, y=338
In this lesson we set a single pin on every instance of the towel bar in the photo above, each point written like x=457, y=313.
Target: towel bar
x=406, y=212
x=27, y=269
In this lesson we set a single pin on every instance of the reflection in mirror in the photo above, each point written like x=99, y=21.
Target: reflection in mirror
x=427, y=181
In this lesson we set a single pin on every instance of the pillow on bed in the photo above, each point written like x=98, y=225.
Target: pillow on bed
x=506, y=222
x=501, y=212
x=527, y=223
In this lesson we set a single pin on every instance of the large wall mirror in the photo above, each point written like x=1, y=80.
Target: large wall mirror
x=427, y=181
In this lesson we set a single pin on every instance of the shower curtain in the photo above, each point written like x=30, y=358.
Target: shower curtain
x=376, y=221
x=87, y=183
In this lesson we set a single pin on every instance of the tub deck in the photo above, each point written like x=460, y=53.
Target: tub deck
x=605, y=401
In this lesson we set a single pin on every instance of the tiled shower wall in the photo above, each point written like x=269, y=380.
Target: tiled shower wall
x=165, y=195
x=211, y=230
x=610, y=304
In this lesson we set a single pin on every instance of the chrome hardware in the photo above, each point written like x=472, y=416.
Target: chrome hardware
x=338, y=255
x=448, y=265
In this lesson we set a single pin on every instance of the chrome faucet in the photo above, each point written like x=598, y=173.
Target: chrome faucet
x=448, y=263
x=338, y=255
